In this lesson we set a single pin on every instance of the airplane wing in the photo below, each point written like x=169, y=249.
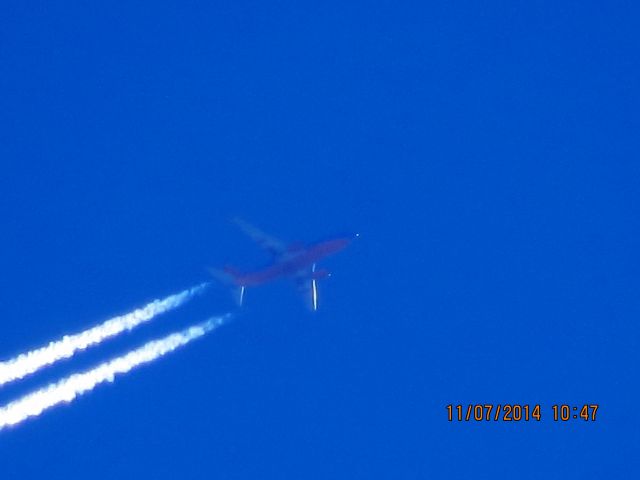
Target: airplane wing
x=274, y=246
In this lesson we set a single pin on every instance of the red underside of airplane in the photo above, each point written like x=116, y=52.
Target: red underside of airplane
x=294, y=261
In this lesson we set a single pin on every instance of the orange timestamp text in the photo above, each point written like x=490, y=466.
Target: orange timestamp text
x=514, y=412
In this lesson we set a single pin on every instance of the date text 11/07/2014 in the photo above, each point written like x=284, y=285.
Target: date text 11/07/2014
x=513, y=412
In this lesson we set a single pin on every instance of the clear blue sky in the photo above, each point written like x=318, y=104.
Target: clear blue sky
x=487, y=153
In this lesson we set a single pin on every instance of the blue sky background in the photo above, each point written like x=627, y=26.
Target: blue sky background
x=487, y=153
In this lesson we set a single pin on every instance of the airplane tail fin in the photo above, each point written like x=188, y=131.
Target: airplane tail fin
x=230, y=277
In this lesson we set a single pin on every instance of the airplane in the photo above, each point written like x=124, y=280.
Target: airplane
x=294, y=261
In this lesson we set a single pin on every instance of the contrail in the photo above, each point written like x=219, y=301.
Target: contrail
x=67, y=389
x=30, y=362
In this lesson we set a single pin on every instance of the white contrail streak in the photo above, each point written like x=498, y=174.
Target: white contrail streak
x=30, y=362
x=67, y=389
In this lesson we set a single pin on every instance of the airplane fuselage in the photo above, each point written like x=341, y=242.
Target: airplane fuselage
x=293, y=263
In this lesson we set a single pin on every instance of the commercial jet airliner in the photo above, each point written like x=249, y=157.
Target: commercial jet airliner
x=294, y=261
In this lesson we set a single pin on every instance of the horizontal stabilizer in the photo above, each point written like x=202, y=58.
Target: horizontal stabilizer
x=230, y=277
